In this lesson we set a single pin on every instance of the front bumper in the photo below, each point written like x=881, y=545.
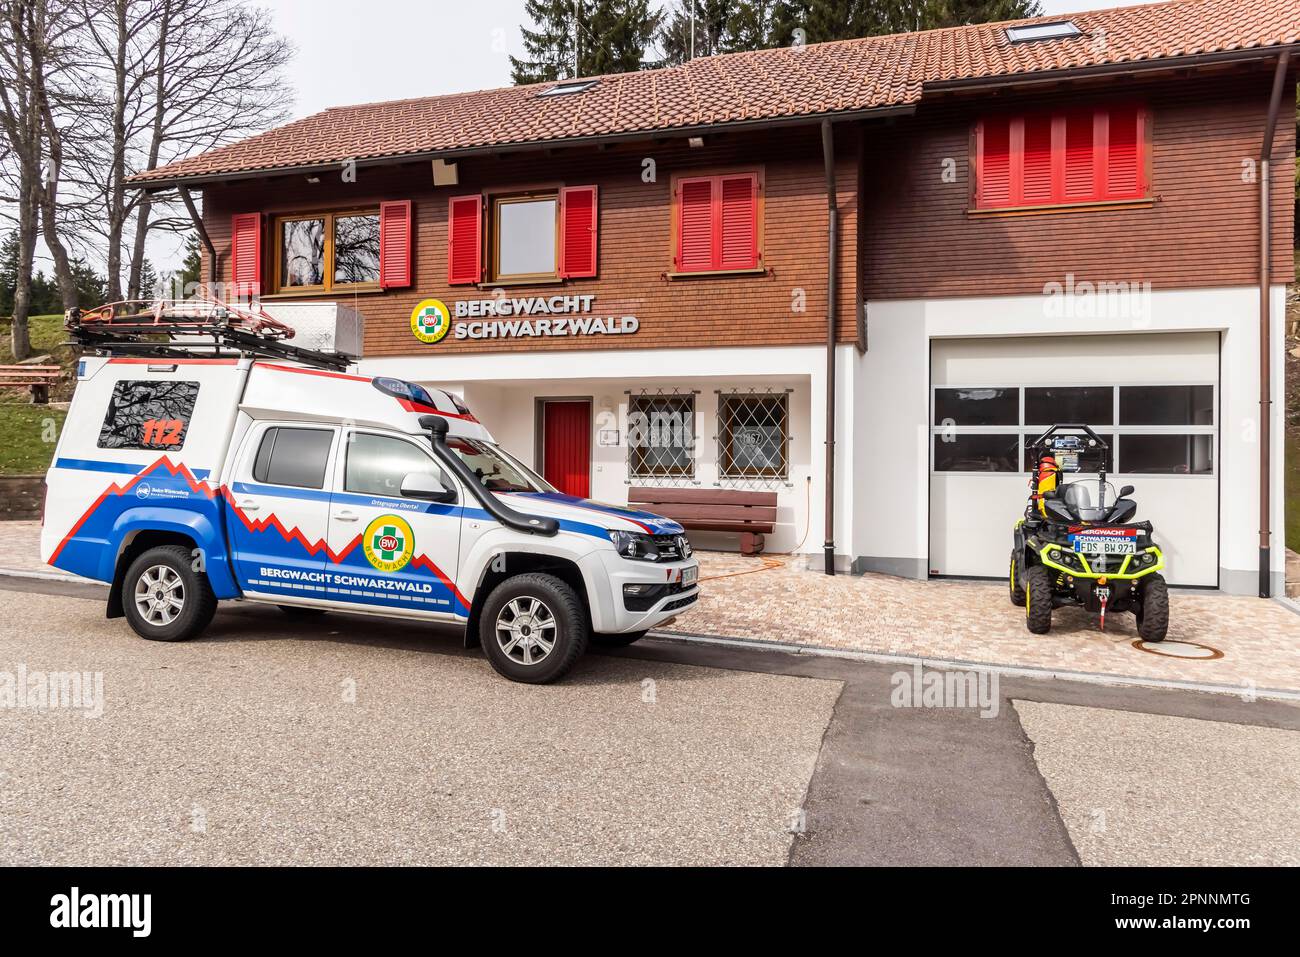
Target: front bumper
x=1062, y=558
x=606, y=572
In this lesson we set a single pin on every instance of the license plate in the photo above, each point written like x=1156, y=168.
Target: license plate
x=1098, y=545
x=690, y=574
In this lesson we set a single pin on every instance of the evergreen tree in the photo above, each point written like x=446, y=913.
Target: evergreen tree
x=191, y=271
x=713, y=29
x=8, y=272
x=779, y=23
x=956, y=13
x=614, y=35
x=549, y=44
x=612, y=38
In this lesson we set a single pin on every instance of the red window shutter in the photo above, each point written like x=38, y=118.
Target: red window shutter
x=994, y=188
x=395, y=229
x=464, y=240
x=1080, y=179
x=1037, y=176
x=695, y=220
x=246, y=255
x=578, y=217
x=738, y=245
x=1124, y=157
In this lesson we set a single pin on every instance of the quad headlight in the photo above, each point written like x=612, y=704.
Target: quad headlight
x=1065, y=558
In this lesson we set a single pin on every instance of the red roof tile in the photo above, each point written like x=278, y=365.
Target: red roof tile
x=843, y=76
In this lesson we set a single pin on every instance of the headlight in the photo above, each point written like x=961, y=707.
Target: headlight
x=640, y=547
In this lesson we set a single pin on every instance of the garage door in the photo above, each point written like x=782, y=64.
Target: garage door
x=1154, y=398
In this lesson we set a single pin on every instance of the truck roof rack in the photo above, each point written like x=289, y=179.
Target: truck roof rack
x=180, y=328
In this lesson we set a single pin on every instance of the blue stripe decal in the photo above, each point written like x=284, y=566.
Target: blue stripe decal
x=120, y=468
x=636, y=516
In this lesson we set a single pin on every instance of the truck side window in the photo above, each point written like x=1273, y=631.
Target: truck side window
x=148, y=414
x=294, y=457
x=377, y=464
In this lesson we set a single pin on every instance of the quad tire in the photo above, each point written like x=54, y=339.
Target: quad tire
x=1016, y=585
x=164, y=598
x=1153, y=609
x=533, y=628
x=1038, y=600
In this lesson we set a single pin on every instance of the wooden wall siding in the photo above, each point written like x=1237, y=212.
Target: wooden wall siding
x=635, y=248
x=1202, y=230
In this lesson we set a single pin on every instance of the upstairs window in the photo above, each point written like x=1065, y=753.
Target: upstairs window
x=717, y=223
x=324, y=250
x=531, y=237
x=1063, y=158
x=354, y=249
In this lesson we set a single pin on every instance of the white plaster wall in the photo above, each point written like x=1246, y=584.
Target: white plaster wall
x=891, y=395
x=502, y=391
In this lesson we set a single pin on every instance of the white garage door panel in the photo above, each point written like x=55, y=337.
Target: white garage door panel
x=971, y=514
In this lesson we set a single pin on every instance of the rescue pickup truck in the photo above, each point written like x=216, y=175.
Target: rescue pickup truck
x=184, y=481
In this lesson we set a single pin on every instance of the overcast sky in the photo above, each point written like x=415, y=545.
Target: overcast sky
x=361, y=51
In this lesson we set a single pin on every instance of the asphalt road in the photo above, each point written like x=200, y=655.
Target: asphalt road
x=352, y=740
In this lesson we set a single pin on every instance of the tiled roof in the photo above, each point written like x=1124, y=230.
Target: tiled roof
x=824, y=78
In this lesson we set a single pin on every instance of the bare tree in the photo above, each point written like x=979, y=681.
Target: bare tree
x=179, y=77
x=20, y=117
x=39, y=96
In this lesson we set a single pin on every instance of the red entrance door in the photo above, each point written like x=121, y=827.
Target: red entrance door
x=566, y=446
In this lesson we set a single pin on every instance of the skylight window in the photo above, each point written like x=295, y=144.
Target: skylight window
x=565, y=87
x=1059, y=30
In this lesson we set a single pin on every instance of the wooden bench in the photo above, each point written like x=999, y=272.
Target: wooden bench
x=37, y=378
x=749, y=514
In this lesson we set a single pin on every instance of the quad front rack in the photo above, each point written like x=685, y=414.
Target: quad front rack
x=182, y=328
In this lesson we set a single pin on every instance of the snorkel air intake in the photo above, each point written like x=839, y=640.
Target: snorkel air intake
x=532, y=524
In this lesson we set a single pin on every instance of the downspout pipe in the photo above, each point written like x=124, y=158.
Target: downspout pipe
x=832, y=299
x=214, y=271
x=1265, y=331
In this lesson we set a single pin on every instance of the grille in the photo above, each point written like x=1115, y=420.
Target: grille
x=671, y=547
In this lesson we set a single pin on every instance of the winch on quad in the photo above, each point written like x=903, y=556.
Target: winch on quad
x=1070, y=551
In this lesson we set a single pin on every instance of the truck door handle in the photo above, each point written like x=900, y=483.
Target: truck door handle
x=345, y=517
x=249, y=506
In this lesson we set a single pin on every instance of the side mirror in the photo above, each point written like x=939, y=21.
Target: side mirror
x=426, y=485
x=1126, y=491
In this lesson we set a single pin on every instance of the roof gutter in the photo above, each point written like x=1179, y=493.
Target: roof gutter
x=1265, y=330
x=738, y=126
x=1259, y=55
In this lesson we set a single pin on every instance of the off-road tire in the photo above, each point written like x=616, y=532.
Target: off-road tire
x=1016, y=586
x=198, y=604
x=1038, y=600
x=572, y=627
x=1153, y=608
x=617, y=641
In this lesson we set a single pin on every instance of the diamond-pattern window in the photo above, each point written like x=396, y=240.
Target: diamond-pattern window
x=661, y=436
x=754, y=435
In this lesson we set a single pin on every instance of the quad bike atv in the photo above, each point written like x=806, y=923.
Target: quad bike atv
x=1070, y=552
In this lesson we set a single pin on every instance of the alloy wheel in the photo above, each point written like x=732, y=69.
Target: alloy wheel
x=526, y=630
x=160, y=595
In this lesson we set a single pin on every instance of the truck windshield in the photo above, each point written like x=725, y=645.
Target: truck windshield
x=495, y=469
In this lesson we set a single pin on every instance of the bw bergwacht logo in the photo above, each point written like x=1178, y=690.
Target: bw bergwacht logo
x=389, y=543
x=431, y=320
